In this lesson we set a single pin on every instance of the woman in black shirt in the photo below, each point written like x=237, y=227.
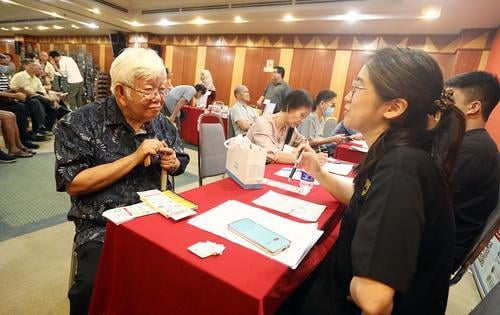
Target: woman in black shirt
x=393, y=254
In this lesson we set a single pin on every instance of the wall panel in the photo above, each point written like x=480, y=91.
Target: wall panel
x=312, y=69
x=254, y=76
x=466, y=60
x=183, y=65
x=220, y=61
x=446, y=62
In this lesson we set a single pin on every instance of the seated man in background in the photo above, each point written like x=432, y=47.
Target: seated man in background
x=180, y=96
x=313, y=125
x=108, y=150
x=477, y=172
x=243, y=116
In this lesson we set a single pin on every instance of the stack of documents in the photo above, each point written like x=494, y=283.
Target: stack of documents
x=295, y=207
x=124, y=214
x=338, y=167
x=166, y=206
x=303, y=236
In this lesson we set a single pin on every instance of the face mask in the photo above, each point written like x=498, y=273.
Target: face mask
x=4, y=69
x=328, y=111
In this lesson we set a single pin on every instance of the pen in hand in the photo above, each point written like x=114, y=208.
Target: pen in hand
x=297, y=161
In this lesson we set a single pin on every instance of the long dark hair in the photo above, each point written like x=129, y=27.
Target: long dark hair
x=414, y=76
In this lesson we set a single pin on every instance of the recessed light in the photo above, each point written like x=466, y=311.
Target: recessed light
x=95, y=10
x=200, y=21
x=5, y=29
x=92, y=25
x=27, y=28
x=42, y=28
x=352, y=16
x=165, y=22
x=431, y=14
x=239, y=19
x=75, y=26
x=57, y=27
x=135, y=23
x=15, y=28
x=289, y=18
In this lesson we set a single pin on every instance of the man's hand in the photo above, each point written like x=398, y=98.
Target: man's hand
x=169, y=161
x=20, y=96
x=147, y=148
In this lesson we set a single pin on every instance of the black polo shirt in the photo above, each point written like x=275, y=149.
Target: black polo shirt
x=399, y=231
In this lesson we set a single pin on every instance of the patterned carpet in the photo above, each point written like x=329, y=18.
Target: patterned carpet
x=29, y=201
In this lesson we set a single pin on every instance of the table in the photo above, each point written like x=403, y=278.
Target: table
x=345, y=153
x=146, y=268
x=189, y=123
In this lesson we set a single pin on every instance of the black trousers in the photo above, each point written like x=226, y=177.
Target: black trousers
x=50, y=113
x=37, y=112
x=80, y=293
x=19, y=109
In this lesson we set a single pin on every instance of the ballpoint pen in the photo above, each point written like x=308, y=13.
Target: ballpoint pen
x=297, y=161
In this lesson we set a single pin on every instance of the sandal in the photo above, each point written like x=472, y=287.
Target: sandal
x=25, y=149
x=22, y=154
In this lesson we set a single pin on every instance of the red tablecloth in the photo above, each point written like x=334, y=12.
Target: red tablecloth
x=146, y=268
x=345, y=153
x=188, y=130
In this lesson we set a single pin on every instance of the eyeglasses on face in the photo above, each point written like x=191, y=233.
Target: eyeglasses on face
x=149, y=94
x=355, y=86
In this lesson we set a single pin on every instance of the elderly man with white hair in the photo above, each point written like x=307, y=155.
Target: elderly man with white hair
x=108, y=150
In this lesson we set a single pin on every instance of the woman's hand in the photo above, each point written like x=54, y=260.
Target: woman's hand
x=310, y=163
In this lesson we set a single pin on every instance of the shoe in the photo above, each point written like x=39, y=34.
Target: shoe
x=6, y=158
x=31, y=145
x=43, y=133
x=46, y=132
x=22, y=154
x=37, y=138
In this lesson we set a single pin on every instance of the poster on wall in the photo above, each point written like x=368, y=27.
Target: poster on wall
x=269, y=65
x=486, y=268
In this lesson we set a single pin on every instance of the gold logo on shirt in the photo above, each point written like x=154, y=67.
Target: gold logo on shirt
x=367, y=185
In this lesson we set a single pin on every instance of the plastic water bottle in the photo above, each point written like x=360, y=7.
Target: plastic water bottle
x=306, y=181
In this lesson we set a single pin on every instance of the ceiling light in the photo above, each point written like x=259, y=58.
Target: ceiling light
x=239, y=19
x=5, y=29
x=289, y=18
x=57, y=27
x=7, y=1
x=165, y=22
x=53, y=14
x=431, y=14
x=42, y=28
x=15, y=28
x=75, y=26
x=92, y=25
x=95, y=10
x=200, y=21
x=135, y=23
x=27, y=28
x=352, y=16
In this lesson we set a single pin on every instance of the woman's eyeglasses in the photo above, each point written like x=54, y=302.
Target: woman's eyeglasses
x=355, y=86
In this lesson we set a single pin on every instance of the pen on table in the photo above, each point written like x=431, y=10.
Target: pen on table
x=294, y=169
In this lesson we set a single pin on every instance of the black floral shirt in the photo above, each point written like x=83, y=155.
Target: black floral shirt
x=97, y=134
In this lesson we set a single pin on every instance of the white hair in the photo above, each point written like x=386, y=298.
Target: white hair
x=135, y=63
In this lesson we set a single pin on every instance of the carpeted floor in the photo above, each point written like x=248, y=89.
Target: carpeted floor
x=29, y=201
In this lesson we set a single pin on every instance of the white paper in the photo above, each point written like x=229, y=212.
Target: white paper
x=291, y=188
x=269, y=107
x=295, y=207
x=124, y=214
x=302, y=235
x=164, y=205
x=360, y=149
x=340, y=168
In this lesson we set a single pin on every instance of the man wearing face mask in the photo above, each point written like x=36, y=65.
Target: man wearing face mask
x=312, y=127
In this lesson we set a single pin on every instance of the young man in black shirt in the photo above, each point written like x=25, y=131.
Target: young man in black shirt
x=476, y=174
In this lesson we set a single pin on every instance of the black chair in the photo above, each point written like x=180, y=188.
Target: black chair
x=490, y=228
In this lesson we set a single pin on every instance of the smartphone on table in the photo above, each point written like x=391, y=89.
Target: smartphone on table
x=259, y=235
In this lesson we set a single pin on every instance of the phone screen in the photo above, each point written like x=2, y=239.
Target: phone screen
x=259, y=235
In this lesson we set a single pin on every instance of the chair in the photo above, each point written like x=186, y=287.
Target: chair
x=211, y=149
x=490, y=228
x=230, y=127
x=330, y=124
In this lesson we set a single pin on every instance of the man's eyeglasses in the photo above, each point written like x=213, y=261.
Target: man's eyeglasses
x=355, y=86
x=149, y=94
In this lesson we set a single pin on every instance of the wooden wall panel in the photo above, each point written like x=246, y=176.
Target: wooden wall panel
x=220, y=61
x=183, y=65
x=311, y=69
x=446, y=62
x=466, y=60
x=358, y=59
x=108, y=58
x=254, y=76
